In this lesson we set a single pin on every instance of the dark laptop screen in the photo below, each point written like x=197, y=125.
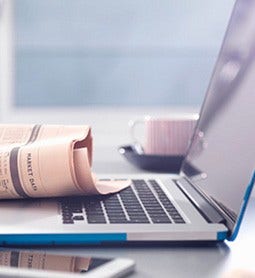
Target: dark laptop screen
x=221, y=157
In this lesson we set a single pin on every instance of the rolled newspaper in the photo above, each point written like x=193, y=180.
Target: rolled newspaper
x=49, y=161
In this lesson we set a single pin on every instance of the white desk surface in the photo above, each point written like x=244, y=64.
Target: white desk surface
x=156, y=261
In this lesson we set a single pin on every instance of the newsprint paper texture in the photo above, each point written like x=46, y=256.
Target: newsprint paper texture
x=43, y=260
x=49, y=161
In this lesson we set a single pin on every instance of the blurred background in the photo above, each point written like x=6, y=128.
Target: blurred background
x=106, y=52
x=104, y=62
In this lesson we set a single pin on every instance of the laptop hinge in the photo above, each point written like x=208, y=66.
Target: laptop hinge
x=206, y=209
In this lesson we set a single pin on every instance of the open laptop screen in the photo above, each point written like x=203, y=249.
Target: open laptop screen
x=221, y=157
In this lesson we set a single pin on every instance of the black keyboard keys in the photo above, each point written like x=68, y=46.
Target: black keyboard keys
x=114, y=210
x=132, y=206
x=94, y=211
x=139, y=203
x=151, y=204
x=168, y=205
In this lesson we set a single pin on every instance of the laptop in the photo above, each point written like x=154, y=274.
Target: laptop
x=208, y=199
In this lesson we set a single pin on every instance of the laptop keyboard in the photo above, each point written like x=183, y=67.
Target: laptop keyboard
x=143, y=202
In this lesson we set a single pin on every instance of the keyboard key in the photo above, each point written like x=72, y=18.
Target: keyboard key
x=68, y=222
x=96, y=220
x=78, y=217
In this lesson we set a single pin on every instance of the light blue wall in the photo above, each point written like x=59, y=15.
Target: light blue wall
x=136, y=52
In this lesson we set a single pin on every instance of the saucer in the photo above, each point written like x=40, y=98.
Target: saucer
x=155, y=163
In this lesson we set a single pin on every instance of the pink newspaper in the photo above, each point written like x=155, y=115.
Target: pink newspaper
x=43, y=260
x=49, y=161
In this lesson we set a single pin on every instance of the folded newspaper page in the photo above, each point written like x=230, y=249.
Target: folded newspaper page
x=49, y=161
x=45, y=261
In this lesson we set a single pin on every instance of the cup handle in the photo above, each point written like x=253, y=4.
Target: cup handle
x=132, y=128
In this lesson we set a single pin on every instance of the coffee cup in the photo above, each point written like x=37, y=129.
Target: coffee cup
x=169, y=135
